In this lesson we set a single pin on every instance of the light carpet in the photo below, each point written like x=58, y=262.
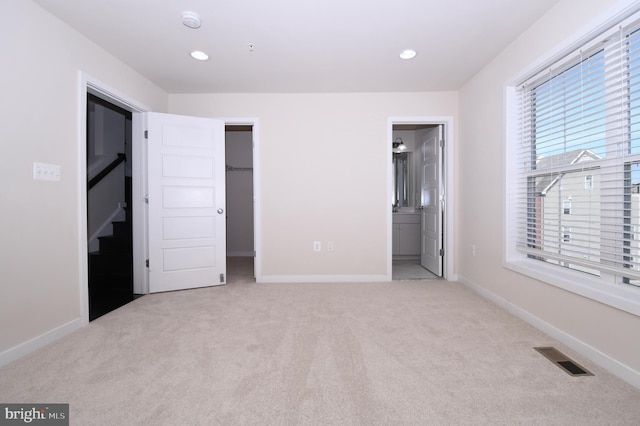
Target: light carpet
x=404, y=352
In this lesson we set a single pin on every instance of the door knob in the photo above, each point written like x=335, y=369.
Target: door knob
x=220, y=211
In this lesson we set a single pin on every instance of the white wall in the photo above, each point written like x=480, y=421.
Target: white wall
x=39, y=244
x=323, y=174
x=604, y=331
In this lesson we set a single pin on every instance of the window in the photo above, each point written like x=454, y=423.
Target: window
x=576, y=155
x=588, y=182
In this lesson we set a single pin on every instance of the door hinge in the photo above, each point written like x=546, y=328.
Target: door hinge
x=146, y=262
x=221, y=278
x=441, y=252
x=441, y=143
x=146, y=199
x=146, y=134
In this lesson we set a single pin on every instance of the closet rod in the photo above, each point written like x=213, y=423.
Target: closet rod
x=238, y=169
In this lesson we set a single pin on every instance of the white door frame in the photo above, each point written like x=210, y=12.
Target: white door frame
x=449, y=209
x=89, y=84
x=140, y=163
x=257, y=224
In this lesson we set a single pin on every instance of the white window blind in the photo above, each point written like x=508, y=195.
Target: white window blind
x=578, y=161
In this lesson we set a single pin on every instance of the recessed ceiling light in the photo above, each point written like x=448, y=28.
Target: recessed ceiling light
x=191, y=20
x=199, y=55
x=408, y=54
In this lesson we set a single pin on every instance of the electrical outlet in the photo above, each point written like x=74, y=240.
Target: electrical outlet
x=473, y=249
x=317, y=246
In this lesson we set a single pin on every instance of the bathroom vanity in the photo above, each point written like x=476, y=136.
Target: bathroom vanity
x=406, y=235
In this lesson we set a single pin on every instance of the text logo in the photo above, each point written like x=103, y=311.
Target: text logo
x=34, y=414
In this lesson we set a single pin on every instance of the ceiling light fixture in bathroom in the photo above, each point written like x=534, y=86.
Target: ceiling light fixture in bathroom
x=398, y=145
x=191, y=20
x=408, y=54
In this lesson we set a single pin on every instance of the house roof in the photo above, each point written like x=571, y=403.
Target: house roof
x=552, y=162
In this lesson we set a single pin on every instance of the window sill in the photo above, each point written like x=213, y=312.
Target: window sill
x=616, y=296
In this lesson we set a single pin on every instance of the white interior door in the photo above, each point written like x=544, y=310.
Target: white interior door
x=186, y=190
x=430, y=164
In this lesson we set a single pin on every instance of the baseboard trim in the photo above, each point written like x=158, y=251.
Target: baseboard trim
x=321, y=278
x=610, y=364
x=17, y=352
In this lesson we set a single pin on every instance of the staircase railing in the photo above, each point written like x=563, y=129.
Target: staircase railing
x=115, y=163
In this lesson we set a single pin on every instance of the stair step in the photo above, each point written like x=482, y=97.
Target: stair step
x=111, y=244
x=111, y=268
x=111, y=257
x=102, y=302
x=122, y=230
x=110, y=282
x=105, y=265
x=103, y=270
x=111, y=279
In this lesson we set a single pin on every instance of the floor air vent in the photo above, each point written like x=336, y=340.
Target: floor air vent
x=563, y=361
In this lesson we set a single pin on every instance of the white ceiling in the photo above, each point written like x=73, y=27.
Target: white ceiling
x=303, y=45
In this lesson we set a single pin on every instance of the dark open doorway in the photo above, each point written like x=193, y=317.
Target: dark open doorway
x=240, y=203
x=109, y=206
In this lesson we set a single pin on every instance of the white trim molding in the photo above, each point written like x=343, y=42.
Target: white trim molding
x=305, y=279
x=31, y=345
x=615, y=367
x=449, y=272
x=89, y=84
x=257, y=222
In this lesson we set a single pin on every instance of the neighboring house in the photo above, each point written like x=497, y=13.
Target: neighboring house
x=565, y=222
x=568, y=216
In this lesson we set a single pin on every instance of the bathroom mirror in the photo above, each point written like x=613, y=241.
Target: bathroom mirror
x=402, y=179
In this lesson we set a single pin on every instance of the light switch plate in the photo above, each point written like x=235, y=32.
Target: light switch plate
x=49, y=172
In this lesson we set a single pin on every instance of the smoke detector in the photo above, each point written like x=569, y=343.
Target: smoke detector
x=191, y=20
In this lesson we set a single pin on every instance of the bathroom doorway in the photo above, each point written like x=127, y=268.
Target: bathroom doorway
x=418, y=193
